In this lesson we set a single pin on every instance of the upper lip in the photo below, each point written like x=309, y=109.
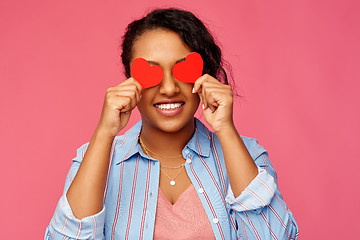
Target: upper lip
x=169, y=101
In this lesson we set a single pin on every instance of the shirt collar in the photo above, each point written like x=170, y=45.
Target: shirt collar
x=129, y=144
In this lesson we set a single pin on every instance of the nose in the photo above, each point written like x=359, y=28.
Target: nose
x=169, y=85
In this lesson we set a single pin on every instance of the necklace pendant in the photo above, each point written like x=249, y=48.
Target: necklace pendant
x=172, y=182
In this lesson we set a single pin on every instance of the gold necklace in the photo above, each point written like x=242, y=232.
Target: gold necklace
x=142, y=144
x=172, y=182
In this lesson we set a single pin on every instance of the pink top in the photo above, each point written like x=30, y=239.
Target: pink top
x=186, y=219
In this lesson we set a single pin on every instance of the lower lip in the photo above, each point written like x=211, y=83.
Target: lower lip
x=170, y=113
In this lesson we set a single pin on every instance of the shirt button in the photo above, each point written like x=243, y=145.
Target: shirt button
x=188, y=160
x=151, y=194
x=215, y=220
x=201, y=190
x=186, y=151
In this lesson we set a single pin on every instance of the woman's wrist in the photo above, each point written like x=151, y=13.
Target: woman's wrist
x=103, y=134
x=226, y=130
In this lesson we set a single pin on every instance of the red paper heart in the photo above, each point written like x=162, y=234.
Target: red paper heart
x=148, y=76
x=190, y=70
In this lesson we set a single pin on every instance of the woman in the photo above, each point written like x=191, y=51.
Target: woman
x=169, y=177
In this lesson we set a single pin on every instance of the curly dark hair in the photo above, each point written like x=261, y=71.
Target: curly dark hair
x=190, y=29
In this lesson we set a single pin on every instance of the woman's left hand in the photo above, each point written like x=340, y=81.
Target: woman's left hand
x=217, y=101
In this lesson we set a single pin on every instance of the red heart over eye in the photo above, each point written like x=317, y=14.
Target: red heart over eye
x=148, y=76
x=190, y=70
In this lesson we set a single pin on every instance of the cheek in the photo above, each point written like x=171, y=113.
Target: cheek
x=140, y=106
x=144, y=101
x=191, y=97
x=195, y=100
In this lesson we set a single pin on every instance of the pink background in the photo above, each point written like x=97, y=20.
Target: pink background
x=296, y=64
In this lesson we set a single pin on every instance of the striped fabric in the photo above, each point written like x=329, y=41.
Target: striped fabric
x=133, y=184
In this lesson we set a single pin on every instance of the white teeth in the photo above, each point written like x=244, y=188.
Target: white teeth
x=169, y=106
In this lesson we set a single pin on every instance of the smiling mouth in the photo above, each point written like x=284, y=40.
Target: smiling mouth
x=168, y=106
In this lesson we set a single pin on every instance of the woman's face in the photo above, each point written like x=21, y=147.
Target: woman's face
x=169, y=106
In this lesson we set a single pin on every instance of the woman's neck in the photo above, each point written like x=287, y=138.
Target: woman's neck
x=166, y=143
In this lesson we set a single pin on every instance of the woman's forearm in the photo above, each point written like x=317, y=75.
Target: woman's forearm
x=86, y=193
x=240, y=166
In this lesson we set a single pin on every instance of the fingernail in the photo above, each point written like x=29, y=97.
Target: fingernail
x=193, y=90
x=203, y=106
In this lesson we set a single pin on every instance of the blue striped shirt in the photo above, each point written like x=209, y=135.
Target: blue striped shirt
x=131, y=194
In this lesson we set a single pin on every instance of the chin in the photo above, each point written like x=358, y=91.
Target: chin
x=174, y=126
x=170, y=124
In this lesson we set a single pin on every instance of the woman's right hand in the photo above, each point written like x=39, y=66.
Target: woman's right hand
x=118, y=104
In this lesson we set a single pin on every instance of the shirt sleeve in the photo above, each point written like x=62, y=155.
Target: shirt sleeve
x=256, y=195
x=260, y=211
x=64, y=223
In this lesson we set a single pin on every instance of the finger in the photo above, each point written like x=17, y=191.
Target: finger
x=204, y=78
x=131, y=86
x=212, y=105
x=137, y=84
x=206, y=102
x=202, y=100
x=207, y=112
x=213, y=96
x=125, y=101
x=128, y=89
x=130, y=82
x=122, y=102
x=209, y=86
